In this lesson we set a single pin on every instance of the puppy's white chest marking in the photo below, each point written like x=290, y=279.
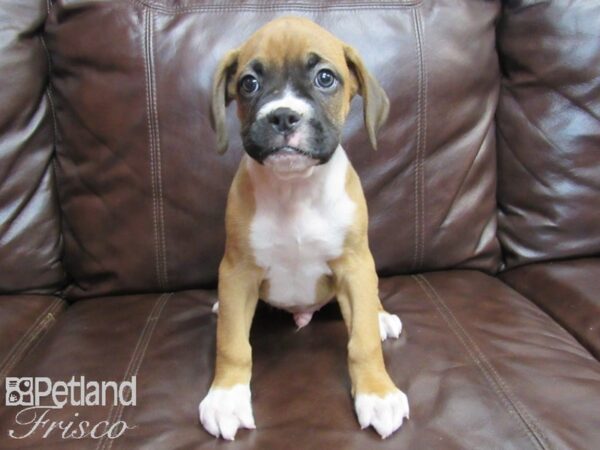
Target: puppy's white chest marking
x=298, y=226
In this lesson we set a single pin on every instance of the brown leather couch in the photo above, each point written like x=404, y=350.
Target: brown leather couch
x=484, y=203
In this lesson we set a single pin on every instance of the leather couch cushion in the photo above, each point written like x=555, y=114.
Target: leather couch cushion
x=569, y=291
x=24, y=319
x=30, y=243
x=549, y=130
x=143, y=190
x=482, y=367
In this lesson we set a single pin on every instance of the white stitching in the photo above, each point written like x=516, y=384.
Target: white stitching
x=514, y=406
x=417, y=146
x=296, y=6
x=423, y=133
x=158, y=156
x=419, y=177
x=135, y=362
x=416, y=166
x=33, y=333
x=151, y=146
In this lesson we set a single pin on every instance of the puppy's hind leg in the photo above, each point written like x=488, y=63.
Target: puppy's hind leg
x=390, y=325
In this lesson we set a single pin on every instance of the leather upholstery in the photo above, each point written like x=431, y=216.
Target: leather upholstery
x=482, y=366
x=118, y=110
x=24, y=319
x=137, y=162
x=549, y=131
x=568, y=291
x=30, y=241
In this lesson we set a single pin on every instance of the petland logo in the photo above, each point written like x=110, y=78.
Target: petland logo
x=40, y=395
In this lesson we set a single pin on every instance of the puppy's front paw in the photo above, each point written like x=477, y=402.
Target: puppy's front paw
x=385, y=414
x=389, y=325
x=224, y=410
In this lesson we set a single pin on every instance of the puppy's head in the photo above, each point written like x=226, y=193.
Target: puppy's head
x=293, y=82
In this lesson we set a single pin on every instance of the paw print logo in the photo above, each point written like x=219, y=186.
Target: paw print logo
x=19, y=391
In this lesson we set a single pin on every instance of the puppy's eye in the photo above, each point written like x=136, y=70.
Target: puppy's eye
x=249, y=85
x=325, y=79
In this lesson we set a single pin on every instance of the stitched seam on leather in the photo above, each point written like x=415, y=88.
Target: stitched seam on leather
x=423, y=65
x=137, y=356
x=416, y=164
x=152, y=144
x=297, y=6
x=158, y=165
x=419, y=181
x=22, y=345
x=514, y=407
x=43, y=331
x=43, y=322
x=158, y=154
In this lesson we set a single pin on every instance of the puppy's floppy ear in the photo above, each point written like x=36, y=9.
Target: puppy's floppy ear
x=221, y=98
x=376, y=104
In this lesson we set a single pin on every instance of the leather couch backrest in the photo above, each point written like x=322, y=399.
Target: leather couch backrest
x=30, y=243
x=549, y=130
x=143, y=190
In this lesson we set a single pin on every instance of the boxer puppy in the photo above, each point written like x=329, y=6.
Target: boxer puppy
x=296, y=218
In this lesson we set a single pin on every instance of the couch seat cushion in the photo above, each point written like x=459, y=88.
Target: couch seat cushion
x=23, y=320
x=482, y=366
x=568, y=291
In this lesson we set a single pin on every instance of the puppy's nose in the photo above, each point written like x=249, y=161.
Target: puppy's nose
x=284, y=120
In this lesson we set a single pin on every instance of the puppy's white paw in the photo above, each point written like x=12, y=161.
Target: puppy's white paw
x=223, y=411
x=389, y=325
x=385, y=414
x=215, y=308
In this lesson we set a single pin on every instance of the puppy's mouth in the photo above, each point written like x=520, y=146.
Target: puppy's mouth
x=290, y=162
